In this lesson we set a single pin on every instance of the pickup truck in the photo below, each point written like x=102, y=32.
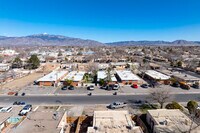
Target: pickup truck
x=117, y=105
x=25, y=110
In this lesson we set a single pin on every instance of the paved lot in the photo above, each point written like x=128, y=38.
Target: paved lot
x=125, y=90
x=35, y=89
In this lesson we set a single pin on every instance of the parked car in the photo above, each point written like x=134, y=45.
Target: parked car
x=117, y=105
x=6, y=109
x=25, y=110
x=23, y=94
x=109, y=87
x=175, y=84
x=16, y=94
x=196, y=86
x=115, y=87
x=103, y=87
x=19, y=103
x=91, y=87
x=134, y=86
x=71, y=87
x=64, y=88
x=144, y=85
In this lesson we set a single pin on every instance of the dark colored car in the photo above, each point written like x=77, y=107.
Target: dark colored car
x=109, y=87
x=103, y=87
x=23, y=94
x=195, y=86
x=176, y=84
x=19, y=103
x=144, y=86
x=64, y=88
x=71, y=87
x=16, y=94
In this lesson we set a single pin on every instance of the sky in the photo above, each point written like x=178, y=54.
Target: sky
x=103, y=20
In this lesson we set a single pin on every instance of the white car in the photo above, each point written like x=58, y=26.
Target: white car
x=6, y=109
x=115, y=87
x=25, y=110
x=91, y=87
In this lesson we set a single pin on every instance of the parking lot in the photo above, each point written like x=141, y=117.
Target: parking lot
x=35, y=89
x=124, y=90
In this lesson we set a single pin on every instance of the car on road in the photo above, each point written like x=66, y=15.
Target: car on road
x=91, y=87
x=71, y=87
x=64, y=88
x=117, y=105
x=144, y=85
x=19, y=103
x=115, y=87
x=25, y=110
x=23, y=94
x=6, y=109
x=134, y=86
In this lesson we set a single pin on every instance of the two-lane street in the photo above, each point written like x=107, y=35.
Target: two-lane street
x=95, y=99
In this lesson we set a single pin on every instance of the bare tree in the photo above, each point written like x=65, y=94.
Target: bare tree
x=159, y=95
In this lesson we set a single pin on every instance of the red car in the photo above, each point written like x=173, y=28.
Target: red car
x=135, y=86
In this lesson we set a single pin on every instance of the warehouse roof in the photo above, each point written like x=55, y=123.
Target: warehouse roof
x=103, y=75
x=53, y=76
x=113, y=122
x=127, y=75
x=156, y=75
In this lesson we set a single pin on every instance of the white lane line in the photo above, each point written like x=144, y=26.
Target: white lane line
x=36, y=108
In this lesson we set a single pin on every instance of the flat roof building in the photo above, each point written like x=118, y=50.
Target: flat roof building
x=127, y=77
x=103, y=75
x=170, y=120
x=52, y=78
x=41, y=122
x=76, y=77
x=113, y=122
x=156, y=75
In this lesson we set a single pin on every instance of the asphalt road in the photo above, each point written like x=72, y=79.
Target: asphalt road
x=95, y=99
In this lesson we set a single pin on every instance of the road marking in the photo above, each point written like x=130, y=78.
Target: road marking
x=36, y=108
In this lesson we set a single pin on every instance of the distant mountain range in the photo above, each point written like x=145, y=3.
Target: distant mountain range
x=51, y=40
x=174, y=43
x=46, y=40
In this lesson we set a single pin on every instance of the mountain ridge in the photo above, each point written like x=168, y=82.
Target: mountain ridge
x=60, y=40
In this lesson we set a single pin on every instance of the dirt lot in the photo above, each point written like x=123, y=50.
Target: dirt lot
x=17, y=84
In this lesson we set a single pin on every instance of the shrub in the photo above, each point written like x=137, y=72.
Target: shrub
x=191, y=106
x=174, y=105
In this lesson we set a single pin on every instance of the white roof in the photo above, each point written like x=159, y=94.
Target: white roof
x=53, y=76
x=103, y=75
x=127, y=75
x=75, y=76
x=157, y=75
x=113, y=122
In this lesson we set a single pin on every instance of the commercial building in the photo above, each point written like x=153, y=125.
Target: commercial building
x=170, y=121
x=183, y=77
x=113, y=122
x=127, y=77
x=104, y=75
x=52, y=78
x=76, y=77
x=157, y=76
